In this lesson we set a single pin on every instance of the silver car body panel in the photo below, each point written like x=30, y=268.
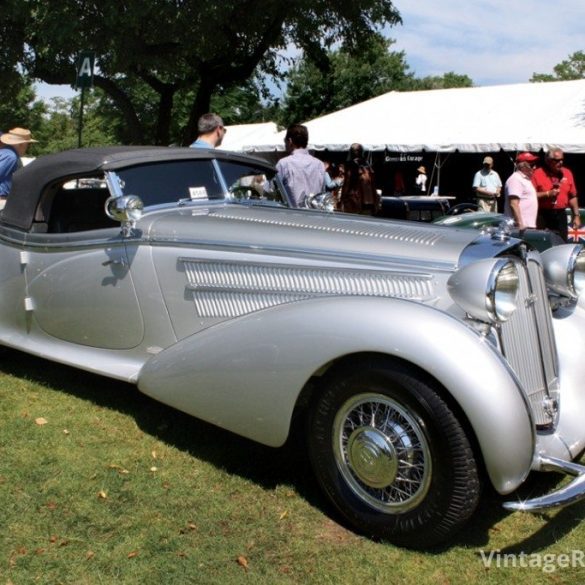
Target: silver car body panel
x=227, y=311
x=245, y=374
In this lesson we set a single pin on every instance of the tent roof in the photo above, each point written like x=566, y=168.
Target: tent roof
x=530, y=116
x=241, y=135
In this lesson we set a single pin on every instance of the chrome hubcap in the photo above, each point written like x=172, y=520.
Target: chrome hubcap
x=382, y=452
x=372, y=457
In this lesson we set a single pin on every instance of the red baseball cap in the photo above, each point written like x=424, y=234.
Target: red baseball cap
x=526, y=157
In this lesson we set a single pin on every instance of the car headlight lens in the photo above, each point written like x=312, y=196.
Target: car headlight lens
x=564, y=269
x=579, y=273
x=504, y=293
x=487, y=290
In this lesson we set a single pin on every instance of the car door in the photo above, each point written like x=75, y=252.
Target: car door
x=79, y=288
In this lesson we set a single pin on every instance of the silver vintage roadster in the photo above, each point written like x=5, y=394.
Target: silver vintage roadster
x=421, y=358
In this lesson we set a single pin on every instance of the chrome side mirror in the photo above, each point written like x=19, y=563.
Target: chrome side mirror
x=320, y=201
x=126, y=209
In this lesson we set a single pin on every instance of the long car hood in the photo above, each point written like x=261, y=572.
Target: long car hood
x=311, y=233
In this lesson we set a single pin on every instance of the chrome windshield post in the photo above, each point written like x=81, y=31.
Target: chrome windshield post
x=114, y=184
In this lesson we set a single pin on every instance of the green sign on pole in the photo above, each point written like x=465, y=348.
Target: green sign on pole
x=85, y=63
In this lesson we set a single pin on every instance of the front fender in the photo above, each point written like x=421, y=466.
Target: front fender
x=246, y=374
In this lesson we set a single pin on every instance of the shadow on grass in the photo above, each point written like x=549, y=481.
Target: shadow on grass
x=266, y=466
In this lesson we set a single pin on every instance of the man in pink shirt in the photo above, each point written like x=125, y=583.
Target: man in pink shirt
x=521, y=201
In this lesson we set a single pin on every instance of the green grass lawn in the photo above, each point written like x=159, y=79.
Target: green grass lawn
x=100, y=484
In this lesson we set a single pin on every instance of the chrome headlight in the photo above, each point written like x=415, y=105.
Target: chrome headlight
x=487, y=290
x=564, y=269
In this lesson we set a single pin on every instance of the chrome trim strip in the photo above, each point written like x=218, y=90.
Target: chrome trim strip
x=377, y=230
x=417, y=264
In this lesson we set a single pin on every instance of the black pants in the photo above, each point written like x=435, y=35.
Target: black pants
x=554, y=220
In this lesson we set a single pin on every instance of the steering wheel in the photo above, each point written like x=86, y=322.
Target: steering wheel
x=244, y=193
x=462, y=208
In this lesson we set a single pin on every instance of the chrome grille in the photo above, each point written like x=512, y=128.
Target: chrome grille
x=528, y=344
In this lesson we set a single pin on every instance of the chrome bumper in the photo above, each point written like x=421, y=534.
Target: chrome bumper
x=569, y=494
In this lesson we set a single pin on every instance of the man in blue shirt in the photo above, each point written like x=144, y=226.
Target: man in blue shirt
x=301, y=173
x=13, y=146
x=210, y=131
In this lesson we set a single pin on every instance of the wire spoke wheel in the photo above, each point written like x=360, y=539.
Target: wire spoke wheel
x=391, y=454
x=382, y=453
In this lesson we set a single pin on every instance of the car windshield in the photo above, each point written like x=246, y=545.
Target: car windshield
x=199, y=180
x=169, y=182
x=250, y=184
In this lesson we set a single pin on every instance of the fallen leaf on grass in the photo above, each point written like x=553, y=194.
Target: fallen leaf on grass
x=243, y=562
x=118, y=468
x=41, y=421
x=51, y=505
x=89, y=554
x=153, y=453
x=190, y=527
x=102, y=495
x=283, y=515
x=133, y=554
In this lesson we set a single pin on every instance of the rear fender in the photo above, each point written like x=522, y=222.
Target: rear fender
x=245, y=374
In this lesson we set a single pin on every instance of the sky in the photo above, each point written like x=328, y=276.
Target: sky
x=494, y=42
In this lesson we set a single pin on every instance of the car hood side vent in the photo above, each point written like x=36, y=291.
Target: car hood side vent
x=230, y=289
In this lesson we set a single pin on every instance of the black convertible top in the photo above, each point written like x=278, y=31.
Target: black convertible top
x=30, y=182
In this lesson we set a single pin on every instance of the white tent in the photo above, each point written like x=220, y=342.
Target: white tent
x=238, y=136
x=530, y=116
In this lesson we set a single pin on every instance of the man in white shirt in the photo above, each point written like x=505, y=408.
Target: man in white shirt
x=487, y=186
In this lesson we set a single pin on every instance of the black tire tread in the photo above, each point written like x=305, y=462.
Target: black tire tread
x=413, y=530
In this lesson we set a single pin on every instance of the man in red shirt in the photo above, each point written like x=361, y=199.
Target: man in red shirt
x=556, y=191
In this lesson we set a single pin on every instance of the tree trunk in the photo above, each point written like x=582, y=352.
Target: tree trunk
x=200, y=106
x=165, y=111
x=122, y=101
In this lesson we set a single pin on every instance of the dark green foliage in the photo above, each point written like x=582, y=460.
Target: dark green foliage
x=350, y=77
x=176, y=47
x=572, y=68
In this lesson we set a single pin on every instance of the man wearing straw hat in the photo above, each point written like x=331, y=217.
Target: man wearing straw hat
x=421, y=180
x=13, y=145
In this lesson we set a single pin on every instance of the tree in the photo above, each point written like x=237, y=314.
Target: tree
x=176, y=46
x=352, y=77
x=445, y=81
x=59, y=128
x=572, y=68
x=18, y=104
